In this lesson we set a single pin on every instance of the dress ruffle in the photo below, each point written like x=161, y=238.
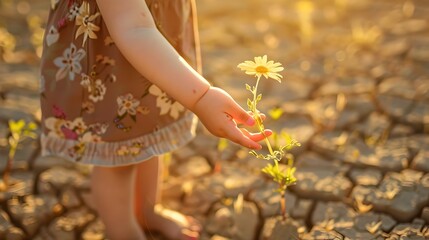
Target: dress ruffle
x=106, y=154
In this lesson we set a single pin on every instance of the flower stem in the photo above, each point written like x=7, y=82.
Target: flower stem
x=258, y=118
x=11, y=156
x=283, y=204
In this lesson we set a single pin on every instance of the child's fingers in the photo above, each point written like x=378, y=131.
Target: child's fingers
x=236, y=135
x=256, y=136
x=261, y=115
x=252, y=121
x=240, y=115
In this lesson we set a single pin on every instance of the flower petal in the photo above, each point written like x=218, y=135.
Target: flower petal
x=262, y=67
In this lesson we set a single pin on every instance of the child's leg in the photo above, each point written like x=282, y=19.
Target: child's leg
x=151, y=216
x=113, y=193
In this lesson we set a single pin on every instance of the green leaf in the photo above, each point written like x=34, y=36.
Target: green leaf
x=268, y=170
x=259, y=97
x=248, y=87
x=250, y=104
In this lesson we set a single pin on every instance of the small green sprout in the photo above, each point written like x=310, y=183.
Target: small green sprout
x=284, y=177
x=19, y=131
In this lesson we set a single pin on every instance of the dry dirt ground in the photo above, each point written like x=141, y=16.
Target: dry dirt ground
x=355, y=94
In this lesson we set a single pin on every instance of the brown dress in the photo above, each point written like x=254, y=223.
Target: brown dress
x=96, y=108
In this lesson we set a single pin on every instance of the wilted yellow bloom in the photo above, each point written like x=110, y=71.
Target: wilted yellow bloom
x=262, y=67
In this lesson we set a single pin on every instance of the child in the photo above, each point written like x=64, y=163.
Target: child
x=117, y=91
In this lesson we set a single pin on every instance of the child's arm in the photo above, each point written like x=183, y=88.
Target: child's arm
x=132, y=28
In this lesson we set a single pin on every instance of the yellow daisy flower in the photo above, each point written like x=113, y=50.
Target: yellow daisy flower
x=85, y=22
x=262, y=67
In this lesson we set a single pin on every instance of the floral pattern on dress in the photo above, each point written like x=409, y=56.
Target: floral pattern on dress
x=130, y=106
x=134, y=149
x=85, y=21
x=75, y=129
x=108, y=41
x=88, y=107
x=94, y=84
x=73, y=12
x=127, y=106
x=52, y=36
x=165, y=103
x=69, y=64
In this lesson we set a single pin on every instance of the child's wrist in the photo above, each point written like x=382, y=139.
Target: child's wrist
x=198, y=99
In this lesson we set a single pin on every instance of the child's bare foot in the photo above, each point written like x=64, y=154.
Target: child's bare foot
x=171, y=224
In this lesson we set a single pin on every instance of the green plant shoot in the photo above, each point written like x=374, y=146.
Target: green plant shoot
x=19, y=130
x=283, y=177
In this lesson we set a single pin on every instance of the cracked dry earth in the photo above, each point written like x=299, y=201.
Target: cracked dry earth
x=355, y=94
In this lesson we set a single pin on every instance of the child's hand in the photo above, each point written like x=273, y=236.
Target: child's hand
x=220, y=114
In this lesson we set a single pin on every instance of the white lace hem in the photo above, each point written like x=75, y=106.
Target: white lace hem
x=105, y=154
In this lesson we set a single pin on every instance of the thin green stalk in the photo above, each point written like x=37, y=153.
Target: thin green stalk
x=13, y=141
x=19, y=130
x=283, y=204
x=258, y=118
